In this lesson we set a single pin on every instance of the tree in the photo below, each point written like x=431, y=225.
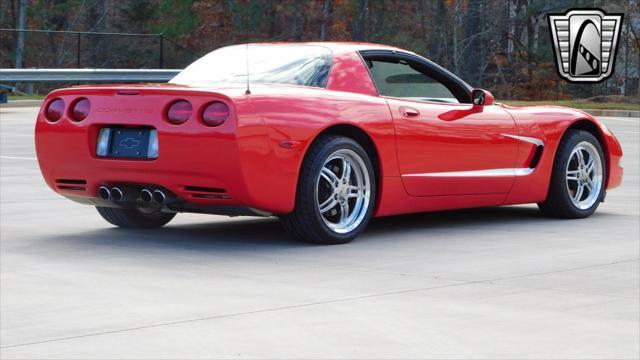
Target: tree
x=22, y=15
x=297, y=23
x=358, y=25
x=473, y=38
x=501, y=45
x=96, y=22
x=326, y=13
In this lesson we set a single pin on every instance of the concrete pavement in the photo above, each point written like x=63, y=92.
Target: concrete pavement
x=489, y=283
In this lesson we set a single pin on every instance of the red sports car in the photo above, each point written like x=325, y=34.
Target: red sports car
x=323, y=135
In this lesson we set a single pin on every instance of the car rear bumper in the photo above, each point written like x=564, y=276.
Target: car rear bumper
x=198, y=166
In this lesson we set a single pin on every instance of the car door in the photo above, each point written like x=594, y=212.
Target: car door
x=445, y=144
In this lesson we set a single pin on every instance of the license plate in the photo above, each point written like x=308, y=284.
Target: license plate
x=134, y=143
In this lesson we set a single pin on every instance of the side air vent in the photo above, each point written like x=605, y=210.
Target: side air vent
x=207, y=193
x=71, y=184
x=536, y=157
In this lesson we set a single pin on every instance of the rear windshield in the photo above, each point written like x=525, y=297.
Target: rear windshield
x=305, y=65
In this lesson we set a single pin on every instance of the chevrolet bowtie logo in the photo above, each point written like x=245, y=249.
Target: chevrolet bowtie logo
x=129, y=143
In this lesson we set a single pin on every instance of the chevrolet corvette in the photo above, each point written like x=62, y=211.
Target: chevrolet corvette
x=324, y=136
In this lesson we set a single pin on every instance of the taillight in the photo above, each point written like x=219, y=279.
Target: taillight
x=179, y=112
x=80, y=109
x=215, y=113
x=55, y=109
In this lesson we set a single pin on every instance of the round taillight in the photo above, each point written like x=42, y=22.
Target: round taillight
x=215, y=113
x=179, y=112
x=80, y=109
x=55, y=109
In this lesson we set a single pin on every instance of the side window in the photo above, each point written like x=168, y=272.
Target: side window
x=399, y=79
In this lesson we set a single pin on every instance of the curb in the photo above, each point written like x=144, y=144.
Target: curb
x=613, y=113
x=593, y=112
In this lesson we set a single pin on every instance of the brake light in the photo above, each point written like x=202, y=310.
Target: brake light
x=215, y=114
x=55, y=109
x=179, y=112
x=80, y=109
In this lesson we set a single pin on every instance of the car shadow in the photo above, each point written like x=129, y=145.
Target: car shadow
x=266, y=234
x=508, y=215
x=235, y=235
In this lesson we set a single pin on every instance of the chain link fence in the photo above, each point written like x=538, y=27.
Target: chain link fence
x=77, y=49
x=100, y=50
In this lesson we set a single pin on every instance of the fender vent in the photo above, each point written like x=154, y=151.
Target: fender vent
x=71, y=184
x=536, y=157
x=207, y=193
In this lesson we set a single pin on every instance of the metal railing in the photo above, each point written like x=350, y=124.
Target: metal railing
x=84, y=75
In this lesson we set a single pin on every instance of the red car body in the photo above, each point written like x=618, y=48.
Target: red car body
x=253, y=159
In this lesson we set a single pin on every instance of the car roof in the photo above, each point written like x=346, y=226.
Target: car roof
x=339, y=47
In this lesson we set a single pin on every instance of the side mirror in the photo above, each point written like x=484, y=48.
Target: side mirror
x=481, y=97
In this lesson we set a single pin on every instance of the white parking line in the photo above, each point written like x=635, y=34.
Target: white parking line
x=17, y=158
x=15, y=134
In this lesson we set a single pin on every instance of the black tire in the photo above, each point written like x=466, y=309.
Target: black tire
x=306, y=222
x=134, y=219
x=558, y=203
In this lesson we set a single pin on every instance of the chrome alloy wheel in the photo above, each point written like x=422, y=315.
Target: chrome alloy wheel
x=584, y=175
x=343, y=191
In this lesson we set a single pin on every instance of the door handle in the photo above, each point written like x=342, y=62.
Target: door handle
x=407, y=111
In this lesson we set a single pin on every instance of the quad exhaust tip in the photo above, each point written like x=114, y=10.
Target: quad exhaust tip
x=159, y=197
x=116, y=194
x=104, y=193
x=146, y=195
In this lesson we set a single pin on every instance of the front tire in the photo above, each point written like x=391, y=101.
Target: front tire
x=336, y=193
x=133, y=218
x=578, y=180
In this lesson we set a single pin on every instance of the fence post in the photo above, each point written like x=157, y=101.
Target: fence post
x=78, y=51
x=161, y=35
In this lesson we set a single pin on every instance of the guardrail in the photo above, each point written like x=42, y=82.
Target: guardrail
x=85, y=75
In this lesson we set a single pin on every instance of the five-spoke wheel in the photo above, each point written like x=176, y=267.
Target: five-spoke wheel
x=336, y=192
x=584, y=175
x=343, y=191
x=578, y=179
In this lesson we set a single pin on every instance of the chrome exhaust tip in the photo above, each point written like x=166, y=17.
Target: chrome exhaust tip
x=104, y=193
x=116, y=194
x=159, y=197
x=146, y=195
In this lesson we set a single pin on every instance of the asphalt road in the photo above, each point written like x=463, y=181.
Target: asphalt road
x=488, y=283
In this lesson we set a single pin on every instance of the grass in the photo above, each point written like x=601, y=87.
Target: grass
x=25, y=97
x=577, y=104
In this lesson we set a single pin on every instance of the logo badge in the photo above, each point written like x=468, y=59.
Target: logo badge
x=129, y=143
x=585, y=43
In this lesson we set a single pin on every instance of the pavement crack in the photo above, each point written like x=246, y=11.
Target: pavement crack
x=310, y=304
x=243, y=313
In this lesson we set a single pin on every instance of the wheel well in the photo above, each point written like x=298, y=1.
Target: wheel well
x=593, y=129
x=362, y=138
x=589, y=127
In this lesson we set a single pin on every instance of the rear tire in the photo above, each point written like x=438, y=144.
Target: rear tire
x=336, y=193
x=134, y=219
x=578, y=179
